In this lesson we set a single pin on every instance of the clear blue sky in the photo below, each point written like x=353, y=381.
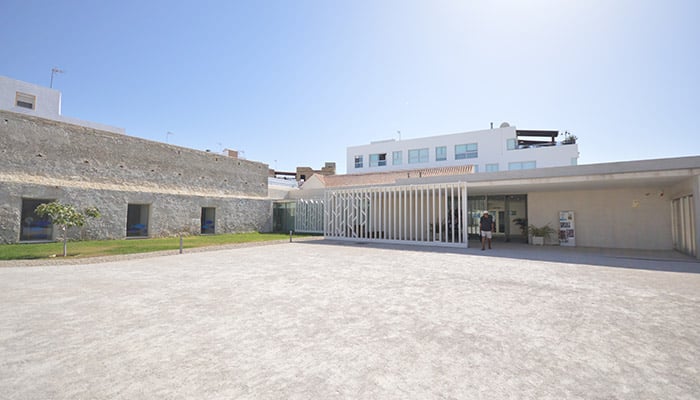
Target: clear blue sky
x=295, y=82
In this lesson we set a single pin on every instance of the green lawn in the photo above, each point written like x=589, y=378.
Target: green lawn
x=83, y=249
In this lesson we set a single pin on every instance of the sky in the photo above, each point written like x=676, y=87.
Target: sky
x=294, y=83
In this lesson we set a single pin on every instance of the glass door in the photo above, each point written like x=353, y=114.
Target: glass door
x=509, y=214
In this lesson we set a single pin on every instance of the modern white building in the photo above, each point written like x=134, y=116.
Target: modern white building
x=39, y=101
x=491, y=150
x=645, y=205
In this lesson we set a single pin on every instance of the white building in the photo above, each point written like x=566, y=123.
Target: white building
x=491, y=150
x=38, y=101
x=644, y=205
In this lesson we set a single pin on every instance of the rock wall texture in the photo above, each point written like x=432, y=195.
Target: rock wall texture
x=43, y=159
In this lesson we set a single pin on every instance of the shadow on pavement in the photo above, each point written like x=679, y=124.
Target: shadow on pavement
x=652, y=260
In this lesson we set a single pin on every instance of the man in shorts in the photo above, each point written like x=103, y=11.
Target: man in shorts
x=487, y=226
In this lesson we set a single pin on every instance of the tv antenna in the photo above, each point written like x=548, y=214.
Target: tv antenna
x=168, y=133
x=54, y=71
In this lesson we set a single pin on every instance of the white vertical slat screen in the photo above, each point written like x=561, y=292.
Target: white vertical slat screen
x=421, y=214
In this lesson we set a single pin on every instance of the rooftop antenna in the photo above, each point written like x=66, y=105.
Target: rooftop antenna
x=168, y=133
x=55, y=71
x=399, y=132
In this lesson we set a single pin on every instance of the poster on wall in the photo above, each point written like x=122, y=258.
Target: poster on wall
x=567, y=228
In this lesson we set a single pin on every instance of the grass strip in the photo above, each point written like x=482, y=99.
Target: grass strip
x=95, y=248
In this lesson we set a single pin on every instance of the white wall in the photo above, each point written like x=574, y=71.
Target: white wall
x=690, y=187
x=492, y=145
x=48, y=101
x=636, y=218
x=47, y=104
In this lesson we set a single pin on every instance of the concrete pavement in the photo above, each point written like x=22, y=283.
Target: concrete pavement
x=319, y=319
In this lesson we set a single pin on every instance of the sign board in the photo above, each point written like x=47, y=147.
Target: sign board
x=567, y=228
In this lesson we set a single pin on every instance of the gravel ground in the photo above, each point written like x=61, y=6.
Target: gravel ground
x=319, y=320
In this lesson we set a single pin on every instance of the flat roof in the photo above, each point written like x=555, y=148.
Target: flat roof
x=666, y=171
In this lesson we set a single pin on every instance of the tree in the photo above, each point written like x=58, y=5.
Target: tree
x=66, y=216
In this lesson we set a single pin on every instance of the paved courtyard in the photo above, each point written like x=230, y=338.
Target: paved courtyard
x=319, y=320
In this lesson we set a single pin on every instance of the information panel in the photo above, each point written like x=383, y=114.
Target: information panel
x=567, y=228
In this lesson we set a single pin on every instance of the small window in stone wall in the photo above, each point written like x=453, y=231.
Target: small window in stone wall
x=33, y=226
x=208, y=220
x=137, y=220
x=25, y=100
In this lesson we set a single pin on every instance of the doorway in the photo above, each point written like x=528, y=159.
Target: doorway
x=137, y=220
x=208, y=220
x=509, y=214
x=34, y=227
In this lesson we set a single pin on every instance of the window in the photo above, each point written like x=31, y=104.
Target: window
x=417, y=156
x=358, y=162
x=476, y=168
x=137, y=220
x=25, y=100
x=441, y=153
x=377, y=160
x=574, y=160
x=491, y=167
x=522, y=165
x=511, y=144
x=208, y=220
x=33, y=226
x=397, y=158
x=470, y=150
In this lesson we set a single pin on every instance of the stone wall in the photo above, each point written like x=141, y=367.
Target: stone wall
x=44, y=159
x=53, y=149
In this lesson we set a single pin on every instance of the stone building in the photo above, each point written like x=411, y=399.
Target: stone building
x=304, y=173
x=142, y=188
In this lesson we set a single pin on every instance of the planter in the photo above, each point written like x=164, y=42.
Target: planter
x=539, y=234
x=538, y=240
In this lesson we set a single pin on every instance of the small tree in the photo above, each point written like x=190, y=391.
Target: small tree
x=66, y=216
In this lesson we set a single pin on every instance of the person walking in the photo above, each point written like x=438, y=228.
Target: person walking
x=487, y=226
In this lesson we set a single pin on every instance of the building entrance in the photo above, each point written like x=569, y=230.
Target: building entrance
x=509, y=214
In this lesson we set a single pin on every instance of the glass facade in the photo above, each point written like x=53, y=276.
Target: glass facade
x=509, y=213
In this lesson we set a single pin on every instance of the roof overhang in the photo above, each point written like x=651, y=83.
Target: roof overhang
x=663, y=172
